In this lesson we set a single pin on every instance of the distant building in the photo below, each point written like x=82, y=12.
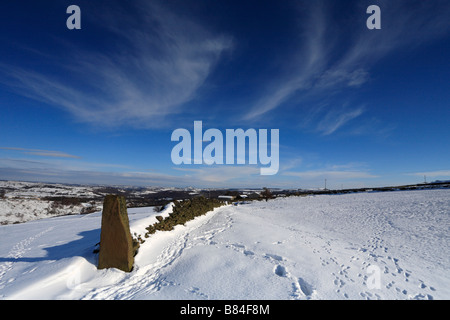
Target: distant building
x=253, y=195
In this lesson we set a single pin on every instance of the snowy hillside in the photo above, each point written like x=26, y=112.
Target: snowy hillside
x=27, y=201
x=386, y=245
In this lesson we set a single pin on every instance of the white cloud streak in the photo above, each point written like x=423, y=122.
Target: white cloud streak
x=350, y=174
x=42, y=153
x=162, y=62
x=331, y=174
x=334, y=119
x=432, y=174
x=332, y=58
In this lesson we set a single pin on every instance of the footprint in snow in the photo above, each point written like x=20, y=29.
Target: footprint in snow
x=304, y=287
x=274, y=257
x=279, y=270
x=249, y=253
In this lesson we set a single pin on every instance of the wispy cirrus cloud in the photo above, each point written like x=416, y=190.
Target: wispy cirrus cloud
x=333, y=56
x=432, y=174
x=42, y=153
x=307, y=63
x=334, y=119
x=161, y=62
x=350, y=174
x=331, y=174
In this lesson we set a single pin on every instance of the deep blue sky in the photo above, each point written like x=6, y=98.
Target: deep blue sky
x=357, y=107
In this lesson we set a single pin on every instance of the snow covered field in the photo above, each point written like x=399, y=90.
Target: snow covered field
x=385, y=245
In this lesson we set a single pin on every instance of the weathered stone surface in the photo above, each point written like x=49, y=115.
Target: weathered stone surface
x=116, y=243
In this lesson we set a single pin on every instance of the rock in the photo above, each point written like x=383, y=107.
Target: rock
x=116, y=244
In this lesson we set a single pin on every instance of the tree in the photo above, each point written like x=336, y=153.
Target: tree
x=266, y=194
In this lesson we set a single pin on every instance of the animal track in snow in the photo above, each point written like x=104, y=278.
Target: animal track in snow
x=196, y=291
x=17, y=252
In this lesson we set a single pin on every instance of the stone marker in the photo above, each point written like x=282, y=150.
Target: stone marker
x=116, y=243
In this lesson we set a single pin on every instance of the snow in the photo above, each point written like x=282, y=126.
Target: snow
x=377, y=245
x=38, y=190
x=26, y=201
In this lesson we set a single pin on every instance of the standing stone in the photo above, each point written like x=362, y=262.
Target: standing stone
x=116, y=243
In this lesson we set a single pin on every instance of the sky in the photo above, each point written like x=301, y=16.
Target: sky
x=354, y=107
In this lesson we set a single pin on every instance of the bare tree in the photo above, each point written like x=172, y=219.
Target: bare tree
x=266, y=194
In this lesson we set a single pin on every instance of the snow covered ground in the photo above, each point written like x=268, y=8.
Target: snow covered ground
x=390, y=245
